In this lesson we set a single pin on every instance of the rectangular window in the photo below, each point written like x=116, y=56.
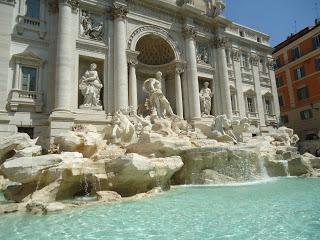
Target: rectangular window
x=33, y=8
x=284, y=119
x=281, y=102
x=295, y=52
x=306, y=114
x=317, y=64
x=277, y=63
x=263, y=66
x=251, y=105
x=233, y=102
x=303, y=93
x=259, y=39
x=316, y=42
x=245, y=61
x=29, y=79
x=299, y=73
x=268, y=106
x=279, y=82
x=241, y=33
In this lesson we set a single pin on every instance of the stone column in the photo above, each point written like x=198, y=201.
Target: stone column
x=192, y=73
x=109, y=83
x=220, y=44
x=274, y=90
x=238, y=74
x=65, y=57
x=178, y=90
x=16, y=76
x=119, y=12
x=6, y=23
x=257, y=86
x=133, y=91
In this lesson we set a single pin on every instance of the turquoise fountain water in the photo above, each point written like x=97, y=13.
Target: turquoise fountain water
x=286, y=208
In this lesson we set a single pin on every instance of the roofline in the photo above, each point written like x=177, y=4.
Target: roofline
x=295, y=37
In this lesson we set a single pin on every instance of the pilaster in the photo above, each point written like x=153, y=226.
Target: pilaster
x=238, y=74
x=274, y=90
x=257, y=87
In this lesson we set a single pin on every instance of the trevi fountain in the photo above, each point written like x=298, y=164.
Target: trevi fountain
x=142, y=156
x=89, y=177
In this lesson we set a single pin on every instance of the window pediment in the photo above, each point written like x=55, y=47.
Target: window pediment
x=28, y=57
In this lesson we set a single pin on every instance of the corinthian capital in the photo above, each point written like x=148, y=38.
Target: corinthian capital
x=119, y=11
x=219, y=42
x=74, y=4
x=189, y=32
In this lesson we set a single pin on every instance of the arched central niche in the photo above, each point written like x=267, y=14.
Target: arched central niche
x=155, y=54
x=154, y=50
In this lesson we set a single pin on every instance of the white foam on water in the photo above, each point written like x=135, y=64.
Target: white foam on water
x=234, y=184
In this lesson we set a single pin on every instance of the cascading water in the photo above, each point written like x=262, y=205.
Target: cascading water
x=263, y=170
x=285, y=166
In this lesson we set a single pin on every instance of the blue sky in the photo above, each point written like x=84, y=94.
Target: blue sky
x=273, y=17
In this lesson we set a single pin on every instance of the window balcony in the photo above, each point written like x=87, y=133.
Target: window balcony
x=253, y=115
x=25, y=23
x=270, y=118
x=25, y=100
x=266, y=82
x=236, y=113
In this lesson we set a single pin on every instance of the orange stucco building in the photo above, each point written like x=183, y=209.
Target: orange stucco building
x=297, y=64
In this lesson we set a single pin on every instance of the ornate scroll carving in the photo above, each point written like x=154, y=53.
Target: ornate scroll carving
x=189, y=32
x=54, y=5
x=220, y=42
x=271, y=64
x=254, y=59
x=119, y=11
x=132, y=57
x=74, y=4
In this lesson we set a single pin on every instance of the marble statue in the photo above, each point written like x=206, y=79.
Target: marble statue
x=205, y=99
x=90, y=87
x=222, y=129
x=143, y=125
x=239, y=127
x=122, y=130
x=219, y=8
x=157, y=102
x=90, y=28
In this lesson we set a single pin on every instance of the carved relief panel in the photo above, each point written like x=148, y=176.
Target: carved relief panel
x=91, y=25
x=203, y=53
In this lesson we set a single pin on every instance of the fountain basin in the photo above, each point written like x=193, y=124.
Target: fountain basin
x=286, y=208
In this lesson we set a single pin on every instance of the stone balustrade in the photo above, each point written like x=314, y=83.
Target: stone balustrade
x=25, y=99
x=31, y=24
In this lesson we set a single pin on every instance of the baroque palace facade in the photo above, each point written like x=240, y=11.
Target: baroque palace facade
x=48, y=81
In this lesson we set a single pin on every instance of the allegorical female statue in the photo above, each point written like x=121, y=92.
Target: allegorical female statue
x=205, y=99
x=90, y=87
